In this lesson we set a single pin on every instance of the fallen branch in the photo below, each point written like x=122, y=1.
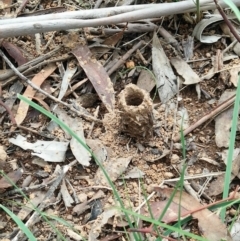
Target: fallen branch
x=38, y=25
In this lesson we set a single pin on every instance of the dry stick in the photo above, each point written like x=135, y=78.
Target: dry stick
x=89, y=13
x=31, y=63
x=226, y=20
x=125, y=57
x=38, y=65
x=28, y=189
x=21, y=76
x=226, y=104
x=92, y=125
x=36, y=132
x=45, y=201
x=80, y=14
x=26, y=28
x=74, y=87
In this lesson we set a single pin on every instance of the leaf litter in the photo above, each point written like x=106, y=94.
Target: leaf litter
x=88, y=71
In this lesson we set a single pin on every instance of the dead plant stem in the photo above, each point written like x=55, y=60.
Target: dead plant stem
x=227, y=21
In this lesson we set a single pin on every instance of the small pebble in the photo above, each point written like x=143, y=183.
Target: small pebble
x=175, y=159
x=168, y=175
x=82, y=197
x=3, y=157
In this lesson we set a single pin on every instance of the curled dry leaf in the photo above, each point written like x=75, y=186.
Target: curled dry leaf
x=97, y=75
x=204, y=23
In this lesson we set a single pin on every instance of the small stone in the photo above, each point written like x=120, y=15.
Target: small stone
x=130, y=64
x=202, y=139
x=168, y=175
x=232, y=212
x=3, y=157
x=175, y=159
x=208, y=55
x=69, y=217
x=82, y=197
x=150, y=188
x=90, y=194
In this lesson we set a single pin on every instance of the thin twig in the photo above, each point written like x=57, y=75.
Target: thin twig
x=28, y=189
x=93, y=123
x=125, y=57
x=21, y=76
x=219, y=109
x=29, y=64
x=38, y=65
x=227, y=21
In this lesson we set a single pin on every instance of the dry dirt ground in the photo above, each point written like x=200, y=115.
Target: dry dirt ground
x=153, y=157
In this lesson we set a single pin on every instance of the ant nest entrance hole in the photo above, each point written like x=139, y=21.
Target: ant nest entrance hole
x=135, y=107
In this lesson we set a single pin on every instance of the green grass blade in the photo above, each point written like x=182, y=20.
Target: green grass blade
x=19, y=222
x=234, y=8
x=163, y=225
x=227, y=178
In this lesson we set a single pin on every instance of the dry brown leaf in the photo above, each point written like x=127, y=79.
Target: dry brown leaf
x=97, y=75
x=184, y=70
x=114, y=168
x=43, y=103
x=206, y=218
x=217, y=185
x=146, y=80
x=158, y=207
x=13, y=176
x=110, y=41
x=14, y=52
x=166, y=81
x=30, y=92
x=223, y=121
x=98, y=149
